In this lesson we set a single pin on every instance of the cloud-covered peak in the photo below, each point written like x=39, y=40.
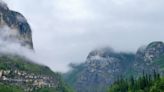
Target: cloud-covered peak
x=18, y=29
x=3, y=5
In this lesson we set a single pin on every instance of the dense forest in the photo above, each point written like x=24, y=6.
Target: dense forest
x=145, y=83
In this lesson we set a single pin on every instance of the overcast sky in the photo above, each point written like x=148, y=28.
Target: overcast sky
x=66, y=31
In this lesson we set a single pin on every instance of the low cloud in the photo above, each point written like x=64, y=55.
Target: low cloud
x=66, y=31
x=10, y=44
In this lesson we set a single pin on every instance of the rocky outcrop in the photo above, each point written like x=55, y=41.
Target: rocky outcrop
x=146, y=58
x=99, y=71
x=102, y=68
x=14, y=27
x=153, y=51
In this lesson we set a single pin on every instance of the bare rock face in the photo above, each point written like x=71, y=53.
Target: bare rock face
x=99, y=72
x=150, y=53
x=14, y=27
x=101, y=69
x=154, y=50
x=147, y=58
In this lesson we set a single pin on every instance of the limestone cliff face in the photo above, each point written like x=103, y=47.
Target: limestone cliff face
x=147, y=58
x=150, y=52
x=101, y=69
x=14, y=27
x=153, y=50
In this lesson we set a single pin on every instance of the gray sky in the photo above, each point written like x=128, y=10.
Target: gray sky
x=66, y=31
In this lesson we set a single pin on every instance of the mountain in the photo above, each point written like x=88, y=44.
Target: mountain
x=150, y=58
x=14, y=27
x=18, y=73
x=104, y=66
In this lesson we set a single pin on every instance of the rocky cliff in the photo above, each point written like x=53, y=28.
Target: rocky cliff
x=104, y=66
x=151, y=52
x=14, y=27
x=18, y=71
x=148, y=58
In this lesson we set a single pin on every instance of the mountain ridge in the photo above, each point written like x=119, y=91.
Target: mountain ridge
x=104, y=66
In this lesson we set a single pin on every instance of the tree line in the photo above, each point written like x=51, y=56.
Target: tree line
x=146, y=83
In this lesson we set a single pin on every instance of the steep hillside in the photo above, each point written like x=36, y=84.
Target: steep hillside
x=19, y=71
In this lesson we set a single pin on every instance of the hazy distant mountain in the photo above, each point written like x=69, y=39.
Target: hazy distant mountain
x=104, y=66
